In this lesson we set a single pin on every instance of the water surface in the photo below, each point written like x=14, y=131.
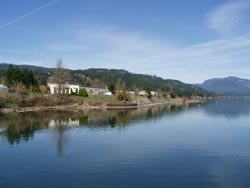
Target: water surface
x=191, y=146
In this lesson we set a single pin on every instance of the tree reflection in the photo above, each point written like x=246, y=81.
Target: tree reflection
x=61, y=138
x=20, y=127
x=23, y=126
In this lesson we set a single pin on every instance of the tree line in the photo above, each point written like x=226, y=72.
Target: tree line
x=15, y=76
x=102, y=78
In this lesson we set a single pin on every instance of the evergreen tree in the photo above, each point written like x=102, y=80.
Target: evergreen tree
x=15, y=75
x=112, y=88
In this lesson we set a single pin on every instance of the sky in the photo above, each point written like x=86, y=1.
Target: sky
x=186, y=40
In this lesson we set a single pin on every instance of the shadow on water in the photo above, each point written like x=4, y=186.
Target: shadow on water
x=228, y=108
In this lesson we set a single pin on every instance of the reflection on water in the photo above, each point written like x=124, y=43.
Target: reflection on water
x=228, y=108
x=163, y=146
x=17, y=127
x=22, y=126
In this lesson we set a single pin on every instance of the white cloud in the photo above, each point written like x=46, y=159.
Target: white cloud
x=230, y=18
x=104, y=46
x=93, y=45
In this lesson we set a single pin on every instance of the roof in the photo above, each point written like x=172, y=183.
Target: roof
x=3, y=86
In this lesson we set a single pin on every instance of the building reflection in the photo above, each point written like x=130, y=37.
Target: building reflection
x=22, y=127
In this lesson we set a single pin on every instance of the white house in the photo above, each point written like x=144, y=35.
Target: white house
x=97, y=91
x=65, y=88
x=108, y=93
x=142, y=93
x=153, y=93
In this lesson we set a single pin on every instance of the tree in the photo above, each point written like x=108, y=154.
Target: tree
x=120, y=85
x=43, y=89
x=122, y=93
x=15, y=75
x=112, y=88
x=173, y=95
x=149, y=93
x=28, y=78
x=60, y=76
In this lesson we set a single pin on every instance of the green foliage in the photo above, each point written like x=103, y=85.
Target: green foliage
x=15, y=75
x=43, y=89
x=112, y=88
x=83, y=92
x=120, y=85
x=173, y=95
x=151, y=82
x=132, y=81
x=123, y=95
x=149, y=95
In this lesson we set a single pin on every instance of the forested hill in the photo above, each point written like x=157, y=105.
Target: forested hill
x=143, y=81
x=228, y=86
x=103, y=77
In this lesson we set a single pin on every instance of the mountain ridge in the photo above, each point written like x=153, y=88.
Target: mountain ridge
x=230, y=85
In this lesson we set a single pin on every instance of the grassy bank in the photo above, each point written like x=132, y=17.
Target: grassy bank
x=13, y=102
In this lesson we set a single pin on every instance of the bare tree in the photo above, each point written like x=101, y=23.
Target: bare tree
x=60, y=76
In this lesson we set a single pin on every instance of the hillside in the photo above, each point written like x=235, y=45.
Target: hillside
x=103, y=77
x=227, y=86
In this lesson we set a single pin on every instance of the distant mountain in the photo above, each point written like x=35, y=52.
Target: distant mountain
x=227, y=86
x=4, y=66
x=104, y=77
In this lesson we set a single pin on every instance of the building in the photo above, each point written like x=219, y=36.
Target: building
x=142, y=93
x=3, y=89
x=153, y=93
x=108, y=93
x=132, y=92
x=65, y=88
x=97, y=91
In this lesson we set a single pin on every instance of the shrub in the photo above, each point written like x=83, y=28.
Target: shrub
x=43, y=89
x=112, y=88
x=149, y=95
x=83, y=93
x=123, y=95
x=173, y=96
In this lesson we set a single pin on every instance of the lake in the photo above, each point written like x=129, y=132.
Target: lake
x=192, y=146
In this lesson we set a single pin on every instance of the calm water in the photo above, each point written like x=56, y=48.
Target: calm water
x=195, y=146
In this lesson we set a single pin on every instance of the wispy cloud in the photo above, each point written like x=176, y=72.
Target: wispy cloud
x=88, y=45
x=28, y=14
x=104, y=46
x=230, y=18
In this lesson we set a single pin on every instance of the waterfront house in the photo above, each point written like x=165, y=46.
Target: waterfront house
x=108, y=93
x=97, y=91
x=142, y=93
x=64, y=89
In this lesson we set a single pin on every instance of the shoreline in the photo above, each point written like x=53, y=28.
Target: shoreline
x=177, y=102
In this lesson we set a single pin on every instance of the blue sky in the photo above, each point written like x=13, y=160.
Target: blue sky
x=186, y=40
